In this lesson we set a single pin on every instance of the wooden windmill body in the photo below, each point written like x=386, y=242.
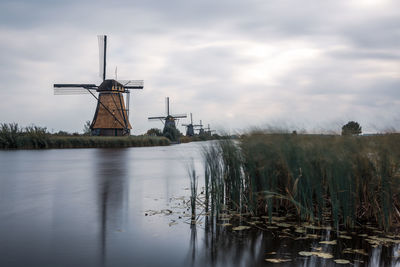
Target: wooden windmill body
x=111, y=117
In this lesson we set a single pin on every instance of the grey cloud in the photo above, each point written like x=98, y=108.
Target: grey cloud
x=195, y=52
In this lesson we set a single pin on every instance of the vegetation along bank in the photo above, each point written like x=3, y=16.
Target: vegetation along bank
x=343, y=181
x=34, y=137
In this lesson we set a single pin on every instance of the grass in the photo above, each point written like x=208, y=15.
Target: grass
x=193, y=190
x=343, y=180
x=34, y=137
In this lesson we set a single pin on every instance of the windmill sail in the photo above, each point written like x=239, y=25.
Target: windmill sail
x=179, y=116
x=102, y=55
x=132, y=84
x=73, y=89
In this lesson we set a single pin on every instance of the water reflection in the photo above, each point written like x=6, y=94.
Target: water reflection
x=111, y=171
x=86, y=208
x=223, y=247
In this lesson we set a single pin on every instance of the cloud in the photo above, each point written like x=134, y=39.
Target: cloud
x=234, y=64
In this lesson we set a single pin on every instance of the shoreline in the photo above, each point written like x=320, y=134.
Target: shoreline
x=64, y=142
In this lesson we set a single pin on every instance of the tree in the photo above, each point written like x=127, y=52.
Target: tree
x=351, y=128
x=171, y=133
x=154, y=132
x=86, y=128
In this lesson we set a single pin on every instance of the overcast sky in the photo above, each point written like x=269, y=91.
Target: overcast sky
x=234, y=64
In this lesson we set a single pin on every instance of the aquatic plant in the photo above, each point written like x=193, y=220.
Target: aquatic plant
x=348, y=180
x=9, y=133
x=193, y=190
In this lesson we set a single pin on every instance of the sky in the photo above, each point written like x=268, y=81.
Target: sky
x=236, y=65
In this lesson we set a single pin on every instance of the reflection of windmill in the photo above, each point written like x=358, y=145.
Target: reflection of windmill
x=190, y=127
x=169, y=120
x=208, y=130
x=112, y=115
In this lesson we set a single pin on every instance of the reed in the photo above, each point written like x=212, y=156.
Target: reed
x=193, y=190
x=348, y=180
x=8, y=135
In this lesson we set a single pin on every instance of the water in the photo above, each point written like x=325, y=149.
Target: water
x=87, y=207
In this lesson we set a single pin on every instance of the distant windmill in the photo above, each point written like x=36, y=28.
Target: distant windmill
x=190, y=127
x=208, y=130
x=168, y=120
x=112, y=115
x=201, y=129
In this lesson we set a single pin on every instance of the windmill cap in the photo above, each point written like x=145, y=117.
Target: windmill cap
x=111, y=85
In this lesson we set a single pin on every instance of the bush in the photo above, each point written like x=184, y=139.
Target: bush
x=351, y=128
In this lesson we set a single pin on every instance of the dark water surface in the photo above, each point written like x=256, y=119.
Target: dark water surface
x=86, y=207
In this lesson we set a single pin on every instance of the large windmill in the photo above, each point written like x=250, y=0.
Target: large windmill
x=190, y=127
x=112, y=115
x=169, y=119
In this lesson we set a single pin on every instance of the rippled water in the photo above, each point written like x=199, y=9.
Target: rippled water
x=101, y=207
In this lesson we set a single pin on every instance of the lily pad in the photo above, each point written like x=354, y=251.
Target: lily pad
x=341, y=261
x=278, y=260
x=332, y=242
x=305, y=253
x=357, y=251
x=300, y=230
x=323, y=255
x=286, y=225
x=240, y=228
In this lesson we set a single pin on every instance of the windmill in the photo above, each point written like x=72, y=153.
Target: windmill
x=111, y=117
x=190, y=127
x=208, y=130
x=201, y=130
x=168, y=120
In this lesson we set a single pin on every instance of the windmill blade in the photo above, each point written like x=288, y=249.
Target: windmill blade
x=156, y=118
x=75, y=85
x=102, y=55
x=167, y=105
x=73, y=89
x=132, y=84
x=179, y=116
x=128, y=94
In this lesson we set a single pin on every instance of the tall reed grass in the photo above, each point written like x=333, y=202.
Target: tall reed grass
x=348, y=180
x=34, y=137
x=193, y=190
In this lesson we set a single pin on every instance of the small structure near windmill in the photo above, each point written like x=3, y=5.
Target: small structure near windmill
x=169, y=121
x=111, y=117
x=190, y=127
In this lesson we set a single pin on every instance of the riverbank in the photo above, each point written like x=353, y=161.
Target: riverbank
x=34, y=137
x=27, y=142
